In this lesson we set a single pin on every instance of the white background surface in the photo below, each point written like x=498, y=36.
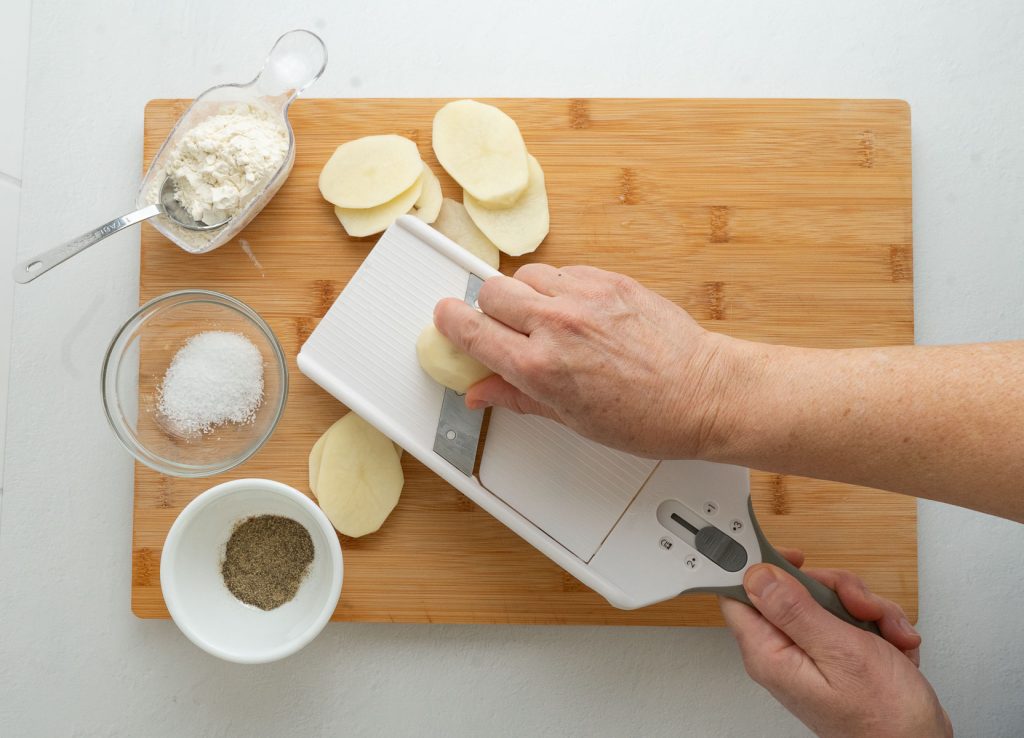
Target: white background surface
x=73, y=659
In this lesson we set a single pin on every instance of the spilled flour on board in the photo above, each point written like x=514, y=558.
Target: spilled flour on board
x=247, y=248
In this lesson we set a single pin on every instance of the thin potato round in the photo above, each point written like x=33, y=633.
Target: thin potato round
x=519, y=229
x=316, y=456
x=429, y=203
x=483, y=150
x=454, y=222
x=445, y=364
x=370, y=171
x=360, y=222
x=360, y=478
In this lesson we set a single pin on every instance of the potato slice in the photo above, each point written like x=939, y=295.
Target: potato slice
x=445, y=364
x=454, y=222
x=368, y=221
x=519, y=229
x=360, y=477
x=370, y=171
x=483, y=150
x=428, y=205
x=315, y=458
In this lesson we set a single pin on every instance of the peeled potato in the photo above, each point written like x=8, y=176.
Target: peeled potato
x=454, y=222
x=360, y=476
x=519, y=229
x=367, y=221
x=445, y=364
x=370, y=171
x=315, y=458
x=317, y=454
x=429, y=203
x=483, y=150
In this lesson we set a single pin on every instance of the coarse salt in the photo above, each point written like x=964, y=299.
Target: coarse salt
x=215, y=378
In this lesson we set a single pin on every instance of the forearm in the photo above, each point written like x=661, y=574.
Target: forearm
x=945, y=423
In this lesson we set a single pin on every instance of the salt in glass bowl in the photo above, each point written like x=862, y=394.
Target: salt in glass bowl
x=133, y=372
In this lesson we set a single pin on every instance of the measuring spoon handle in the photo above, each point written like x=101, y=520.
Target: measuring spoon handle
x=31, y=268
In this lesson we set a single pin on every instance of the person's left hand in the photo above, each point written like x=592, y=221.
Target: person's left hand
x=837, y=679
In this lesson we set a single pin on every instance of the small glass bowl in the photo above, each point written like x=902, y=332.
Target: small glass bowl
x=134, y=368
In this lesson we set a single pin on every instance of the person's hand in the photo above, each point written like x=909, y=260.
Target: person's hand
x=595, y=351
x=837, y=679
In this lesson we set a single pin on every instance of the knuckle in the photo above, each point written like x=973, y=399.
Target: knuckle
x=789, y=612
x=622, y=284
x=566, y=320
x=470, y=334
x=759, y=670
x=526, y=270
x=528, y=365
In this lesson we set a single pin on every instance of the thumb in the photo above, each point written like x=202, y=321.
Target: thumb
x=787, y=605
x=497, y=392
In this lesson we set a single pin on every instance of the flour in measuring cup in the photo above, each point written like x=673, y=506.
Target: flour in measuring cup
x=224, y=162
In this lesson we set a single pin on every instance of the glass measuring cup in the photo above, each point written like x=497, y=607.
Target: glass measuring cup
x=297, y=59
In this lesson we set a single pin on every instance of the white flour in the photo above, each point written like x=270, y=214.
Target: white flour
x=221, y=164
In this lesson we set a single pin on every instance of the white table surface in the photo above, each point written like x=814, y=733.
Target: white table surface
x=74, y=660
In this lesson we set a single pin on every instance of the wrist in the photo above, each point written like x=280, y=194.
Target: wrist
x=738, y=389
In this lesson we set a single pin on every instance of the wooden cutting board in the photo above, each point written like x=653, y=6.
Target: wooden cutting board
x=786, y=221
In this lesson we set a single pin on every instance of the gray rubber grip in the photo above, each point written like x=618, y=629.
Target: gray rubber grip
x=824, y=596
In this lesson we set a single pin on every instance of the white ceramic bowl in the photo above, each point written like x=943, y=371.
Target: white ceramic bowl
x=200, y=603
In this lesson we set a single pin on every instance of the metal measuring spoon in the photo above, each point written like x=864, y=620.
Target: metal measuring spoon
x=29, y=269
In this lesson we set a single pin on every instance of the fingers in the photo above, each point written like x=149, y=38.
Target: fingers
x=494, y=344
x=769, y=655
x=495, y=391
x=514, y=303
x=793, y=555
x=864, y=604
x=753, y=633
x=787, y=605
x=543, y=278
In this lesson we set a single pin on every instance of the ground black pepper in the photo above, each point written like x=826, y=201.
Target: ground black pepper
x=266, y=559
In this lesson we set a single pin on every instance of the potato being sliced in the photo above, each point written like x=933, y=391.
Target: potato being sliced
x=483, y=150
x=428, y=205
x=368, y=221
x=454, y=222
x=370, y=171
x=360, y=477
x=445, y=364
x=519, y=229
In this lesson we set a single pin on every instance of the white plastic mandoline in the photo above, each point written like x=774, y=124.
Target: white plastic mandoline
x=636, y=530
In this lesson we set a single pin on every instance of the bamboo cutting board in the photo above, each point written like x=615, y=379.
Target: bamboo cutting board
x=786, y=221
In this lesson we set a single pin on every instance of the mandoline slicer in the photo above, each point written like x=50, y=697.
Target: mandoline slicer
x=636, y=530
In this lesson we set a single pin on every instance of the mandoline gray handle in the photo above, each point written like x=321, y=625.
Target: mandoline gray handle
x=824, y=596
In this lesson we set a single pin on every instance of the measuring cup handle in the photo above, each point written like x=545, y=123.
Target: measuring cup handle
x=31, y=268
x=296, y=61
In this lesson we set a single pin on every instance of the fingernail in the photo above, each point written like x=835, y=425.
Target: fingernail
x=906, y=627
x=760, y=581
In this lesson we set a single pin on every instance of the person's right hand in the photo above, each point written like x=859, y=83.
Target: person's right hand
x=596, y=351
x=837, y=679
